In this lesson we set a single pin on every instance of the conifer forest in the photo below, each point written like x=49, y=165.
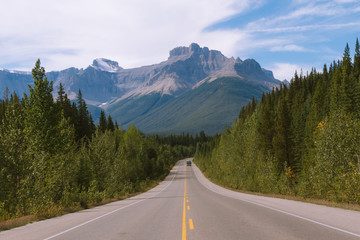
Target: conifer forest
x=53, y=157
x=300, y=139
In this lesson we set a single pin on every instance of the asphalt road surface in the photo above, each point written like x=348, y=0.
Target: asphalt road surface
x=187, y=206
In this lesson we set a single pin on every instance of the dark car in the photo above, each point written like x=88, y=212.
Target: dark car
x=188, y=163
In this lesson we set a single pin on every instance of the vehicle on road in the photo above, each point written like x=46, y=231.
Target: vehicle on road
x=188, y=163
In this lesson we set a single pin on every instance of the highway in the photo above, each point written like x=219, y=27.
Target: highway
x=188, y=206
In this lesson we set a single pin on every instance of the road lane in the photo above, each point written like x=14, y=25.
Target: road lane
x=155, y=214
x=188, y=206
x=223, y=214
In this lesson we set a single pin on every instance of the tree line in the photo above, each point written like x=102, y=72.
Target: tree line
x=302, y=139
x=52, y=156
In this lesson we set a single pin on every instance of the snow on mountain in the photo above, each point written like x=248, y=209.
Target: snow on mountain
x=106, y=65
x=15, y=71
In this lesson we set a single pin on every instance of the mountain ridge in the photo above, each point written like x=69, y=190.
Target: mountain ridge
x=141, y=92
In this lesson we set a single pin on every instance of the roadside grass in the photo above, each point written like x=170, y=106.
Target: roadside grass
x=342, y=205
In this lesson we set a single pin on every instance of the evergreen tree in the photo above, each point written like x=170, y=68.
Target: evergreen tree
x=281, y=140
x=102, y=121
x=64, y=106
x=357, y=61
x=61, y=95
x=83, y=128
x=41, y=115
x=266, y=125
x=110, y=124
x=48, y=137
x=14, y=165
x=347, y=82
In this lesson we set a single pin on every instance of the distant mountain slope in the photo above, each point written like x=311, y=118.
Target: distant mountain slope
x=194, y=89
x=208, y=107
x=14, y=81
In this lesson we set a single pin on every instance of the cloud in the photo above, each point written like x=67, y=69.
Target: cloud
x=288, y=48
x=286, y=71
x=306, y=15
x=134, y=33
x=140, y=32
x=346, y=1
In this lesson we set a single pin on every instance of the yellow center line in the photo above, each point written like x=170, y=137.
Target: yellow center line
x=188, y=207
x=191, y=224
x=184, y=212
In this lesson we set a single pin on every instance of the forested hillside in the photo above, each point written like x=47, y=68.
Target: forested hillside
x=302, y=139
x=52, y=156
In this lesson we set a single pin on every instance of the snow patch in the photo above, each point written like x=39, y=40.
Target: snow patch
x=105, y=65
x=15, y=71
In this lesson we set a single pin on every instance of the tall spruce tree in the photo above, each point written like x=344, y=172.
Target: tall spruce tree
x=102, y=122
x=110, y=124
x=281, y=140
x=83, y=128
x=41, y=115
x=357, y=61
x=14, y=165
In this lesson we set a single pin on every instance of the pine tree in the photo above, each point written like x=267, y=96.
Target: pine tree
x=46, y=134
x=102, y=122
x=64, y=105
x=110, y=124
x=357, y=61
x=356, y=79
x=266, y=125
x=41, y=115
x=281, y=140
x=346, y=86
x=14, y=165
x=83, y=127
x=335, y=83
x=61, y=95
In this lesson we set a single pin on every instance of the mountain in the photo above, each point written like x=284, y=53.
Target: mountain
x=208, y=107
x=194, y=89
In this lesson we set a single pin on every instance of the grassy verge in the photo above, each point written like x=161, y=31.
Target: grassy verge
x=348, y=206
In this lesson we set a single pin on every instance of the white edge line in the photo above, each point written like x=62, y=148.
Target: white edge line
x=275, y=209
x=116, y=210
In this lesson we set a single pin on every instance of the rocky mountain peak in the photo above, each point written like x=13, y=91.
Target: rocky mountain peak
x=193, y=49
x=106, y=65
x=247, y=66
x=179, y=51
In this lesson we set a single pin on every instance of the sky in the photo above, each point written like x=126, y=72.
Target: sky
x=283, y=36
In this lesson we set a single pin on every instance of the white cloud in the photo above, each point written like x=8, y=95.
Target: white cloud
x=288, y=48
x=134, y=33
x=64, y=33
x=301, y=17
x=286, y=71
x=346, y=1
